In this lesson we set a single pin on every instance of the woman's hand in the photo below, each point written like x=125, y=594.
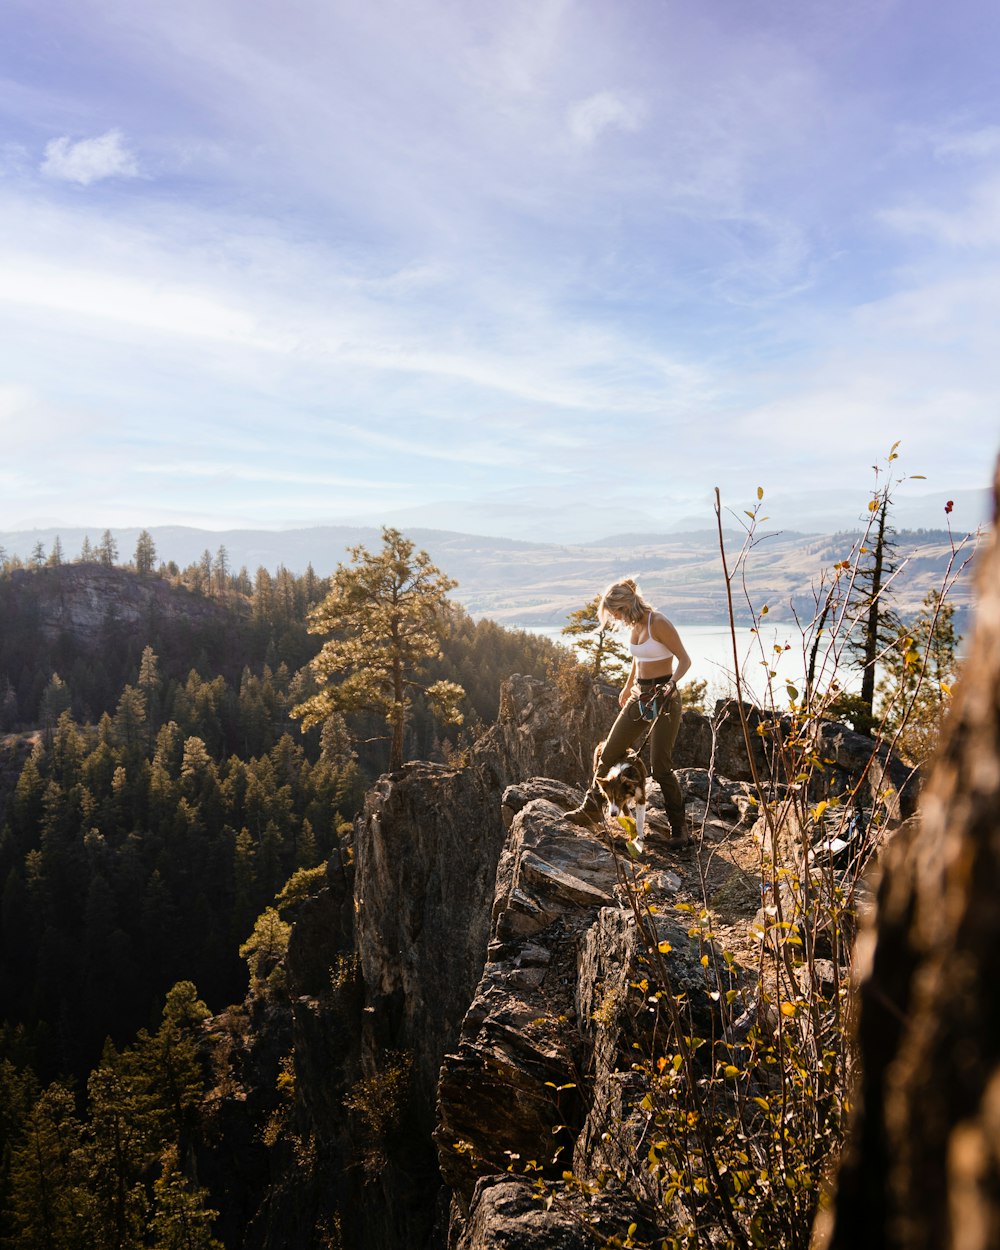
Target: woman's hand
x=623, y=697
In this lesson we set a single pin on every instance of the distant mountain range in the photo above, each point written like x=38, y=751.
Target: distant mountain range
x=565, y=515
x=539, y=583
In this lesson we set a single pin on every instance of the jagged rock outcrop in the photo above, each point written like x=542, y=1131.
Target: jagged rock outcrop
x=477, y=954
x=882, y=779
x=381, y=967
x=543, y=731
x=922, y=1169
x=543, y=1060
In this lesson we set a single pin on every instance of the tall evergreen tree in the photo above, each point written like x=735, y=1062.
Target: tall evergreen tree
x=387, y=612
x=182, y=1219
x=606, y=658
x=220, y=570
x=50, y=1202
x=55, y=701
x=107, y=549
x=123, y=1139
x=145, y=554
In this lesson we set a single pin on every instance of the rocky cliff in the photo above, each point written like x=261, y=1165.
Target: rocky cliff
x=464, y=993
x=381, y=968
x=86, y=602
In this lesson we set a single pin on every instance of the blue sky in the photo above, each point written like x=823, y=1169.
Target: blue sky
x=550, y=269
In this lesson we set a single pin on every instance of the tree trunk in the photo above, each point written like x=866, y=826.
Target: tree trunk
x=921, y=1170
x=872, y=630
x=398, y=721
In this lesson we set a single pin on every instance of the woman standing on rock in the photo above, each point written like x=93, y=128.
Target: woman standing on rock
x=659, y=661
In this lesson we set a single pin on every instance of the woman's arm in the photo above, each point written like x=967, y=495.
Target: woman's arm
x=663, y=631
x=627, y=688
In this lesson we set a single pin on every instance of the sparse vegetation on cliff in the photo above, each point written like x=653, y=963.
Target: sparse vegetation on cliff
x=667, y=1073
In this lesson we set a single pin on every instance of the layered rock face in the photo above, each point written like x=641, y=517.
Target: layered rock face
x=922, y=1171
x=540, y=1081
x=87, y=601
x=463, y=997
x=381, y=967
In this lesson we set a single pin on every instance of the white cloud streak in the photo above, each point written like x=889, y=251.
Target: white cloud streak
x=607, y=110
x=89, y=160
x=475, y=241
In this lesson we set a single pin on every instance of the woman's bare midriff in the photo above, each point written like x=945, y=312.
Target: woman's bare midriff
x=660, y=669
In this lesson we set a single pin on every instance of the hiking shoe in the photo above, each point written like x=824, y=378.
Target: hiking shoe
x=586, y=816
x=680, y=838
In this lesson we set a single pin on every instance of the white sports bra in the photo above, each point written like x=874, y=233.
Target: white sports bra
x=651, y=648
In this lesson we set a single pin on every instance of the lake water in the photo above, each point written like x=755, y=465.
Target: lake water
x=711, y=650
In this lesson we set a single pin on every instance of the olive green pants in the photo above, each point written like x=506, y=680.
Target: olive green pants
x=629, y=727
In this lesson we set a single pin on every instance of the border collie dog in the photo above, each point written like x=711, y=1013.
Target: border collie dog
x=623, y=786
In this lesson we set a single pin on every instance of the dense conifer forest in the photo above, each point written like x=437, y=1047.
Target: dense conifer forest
x=155, y=798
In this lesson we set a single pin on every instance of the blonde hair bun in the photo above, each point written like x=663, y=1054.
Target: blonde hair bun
x=622, y=600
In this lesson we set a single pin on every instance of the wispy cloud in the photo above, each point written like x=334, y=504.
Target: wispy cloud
x=607, y=110
x=971, y=144
x=443, y=249
x=89, y=160
x=969, y=221
x=266, y=474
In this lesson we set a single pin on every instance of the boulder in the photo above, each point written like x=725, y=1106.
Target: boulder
x=508, y=1216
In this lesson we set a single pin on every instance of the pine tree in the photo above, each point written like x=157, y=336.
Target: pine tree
x=263, y=596
x=150, y=684
x=145, y=554
x=182, y=1219
x=266, y=946
x=123, y=1135
x=50, y=1202
x=168, y=1064
x=387, y=613
x=55, y=701
x=107, y=549
x=606, y=658
x=131, y=722
x=244, y=882
x=220, y=570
